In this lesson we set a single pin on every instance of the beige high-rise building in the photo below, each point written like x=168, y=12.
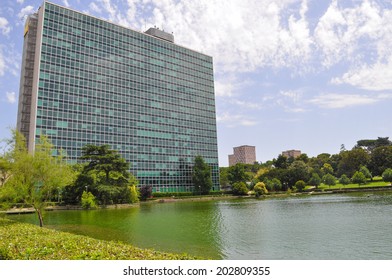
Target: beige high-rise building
x=243, y=154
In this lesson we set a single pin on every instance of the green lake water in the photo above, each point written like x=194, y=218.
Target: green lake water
x=344, y=226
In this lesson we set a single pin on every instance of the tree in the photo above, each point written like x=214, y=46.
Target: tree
x=315, y=180
x=35, y=177
x=329, y=180
x=260, y=189
x=344, y=180
x=105, y=173
x=380, y=159
x=358, y=178
x=237, y=173
x=281, y=162
x=298, y=171
x=201, y=176
x=366, y=172
x=134, y=194
x=145, y=192
x=352, y=160
x=103, y=159
x=387, y=175
x=327, y=169
x=300, y=185
x=239, y=188
x=88, y=201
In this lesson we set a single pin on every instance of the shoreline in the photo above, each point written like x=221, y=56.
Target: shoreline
x=31, y=210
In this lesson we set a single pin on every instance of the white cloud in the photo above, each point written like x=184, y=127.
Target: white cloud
x=2, y=63
x=65, y=2
x=232, y=120
x=4, y=26
x=24, y=12
x=94, y=7
x=20, y=1
x=339, y=101
x=349, y=33
x=11, y=97
x=370, y=77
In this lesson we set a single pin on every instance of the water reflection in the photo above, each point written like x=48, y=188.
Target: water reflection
x=349, y=226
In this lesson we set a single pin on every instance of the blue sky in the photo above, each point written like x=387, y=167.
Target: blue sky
x=289, y=74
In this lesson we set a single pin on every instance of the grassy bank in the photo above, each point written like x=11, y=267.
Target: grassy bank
x=19, y=241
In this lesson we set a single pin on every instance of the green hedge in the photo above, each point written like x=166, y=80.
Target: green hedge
x=19, y=241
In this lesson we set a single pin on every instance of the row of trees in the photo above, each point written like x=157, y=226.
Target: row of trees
x=367, y=159
x=103, y=177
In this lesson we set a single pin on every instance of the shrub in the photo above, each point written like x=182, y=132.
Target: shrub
x=134, y=194
x=239, y=188
x=260, y=189
x=358, y=178
x=88, y=200
x=387, y=175
x=344, y=180
x=300, y=185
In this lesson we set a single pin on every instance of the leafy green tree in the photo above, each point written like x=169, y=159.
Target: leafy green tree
x=276, y=184
x=88, y=201
x=281, y=162
x=352, y=160
x=344, y=180
x=109, y=162
x=223, y=177
x=300, y=185
x=134, y=194
x=359, y=178
x=366, y=172
x=35, y=177
x=387, y=175
x=237, y=173
x=380, y=159
x=315, y=180
x=298, y=171
x=105, y=174
x=327, y=169
x=329, y=180
x=240, y=188
x=260, y=189
x=201, y=176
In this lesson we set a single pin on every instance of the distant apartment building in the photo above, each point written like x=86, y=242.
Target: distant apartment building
x=291, y=153
x=243, y=154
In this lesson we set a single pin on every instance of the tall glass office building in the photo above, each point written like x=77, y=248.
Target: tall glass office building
x=89, y=81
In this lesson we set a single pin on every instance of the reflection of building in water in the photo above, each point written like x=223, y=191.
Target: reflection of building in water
x=88, y=81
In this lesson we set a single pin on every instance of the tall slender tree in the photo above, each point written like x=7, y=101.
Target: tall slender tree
x=201, y=176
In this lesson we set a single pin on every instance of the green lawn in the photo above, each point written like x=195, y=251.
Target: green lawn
x=375, y=183
x=19, y=241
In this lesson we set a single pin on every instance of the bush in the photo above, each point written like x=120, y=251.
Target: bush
x=300, y=185
x=260, y=189
x=387, y=175
x=358, y=178
x=88, y=201
x=134, y=194
x=239, y=188
x=344, y=180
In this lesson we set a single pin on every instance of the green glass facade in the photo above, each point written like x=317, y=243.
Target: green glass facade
x=99, y=83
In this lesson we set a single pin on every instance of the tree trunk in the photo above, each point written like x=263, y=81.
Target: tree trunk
x=41, y=220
